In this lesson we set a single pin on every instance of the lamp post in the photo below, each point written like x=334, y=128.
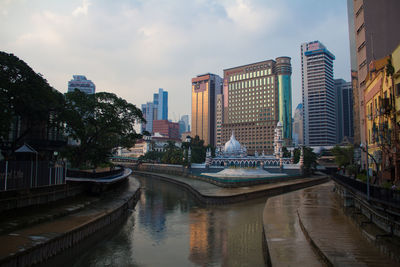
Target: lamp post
x=366, y=151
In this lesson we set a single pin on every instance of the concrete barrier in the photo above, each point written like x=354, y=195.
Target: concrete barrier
x=43, y=252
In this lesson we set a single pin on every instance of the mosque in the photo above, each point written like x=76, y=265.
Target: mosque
x=235, y=155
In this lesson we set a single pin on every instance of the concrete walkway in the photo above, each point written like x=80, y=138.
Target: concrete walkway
x=26, y=238
x=317, y=209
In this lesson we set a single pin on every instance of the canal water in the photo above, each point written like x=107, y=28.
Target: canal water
x=169, y=227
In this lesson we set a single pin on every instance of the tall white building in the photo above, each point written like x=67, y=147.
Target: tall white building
x=298, y=126
x=318, y=95
x=82, y=84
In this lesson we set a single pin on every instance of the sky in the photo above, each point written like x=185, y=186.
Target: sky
x=133, y=47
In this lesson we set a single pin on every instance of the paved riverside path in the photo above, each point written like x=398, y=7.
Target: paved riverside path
x=210, y=190
x=318, y=209
x=25, y=238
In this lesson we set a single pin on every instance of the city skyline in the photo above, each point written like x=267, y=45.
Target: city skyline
x=87, y=37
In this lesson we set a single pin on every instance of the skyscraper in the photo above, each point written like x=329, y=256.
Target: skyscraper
x=252, y=97
x=344, y=109
x=205, y=89
x=82, y=84
x=156, y=110
x=284, y=72
x=298, y=125
x=319, y=109
x=160, y=101
x=149, y=114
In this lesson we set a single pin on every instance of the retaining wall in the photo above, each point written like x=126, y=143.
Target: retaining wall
x=14, y=199
x=220, y=200
x=42, y=253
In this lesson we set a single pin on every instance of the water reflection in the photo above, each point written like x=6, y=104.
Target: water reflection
x=170, y=228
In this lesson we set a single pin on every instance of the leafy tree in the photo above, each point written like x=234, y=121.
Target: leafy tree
x=286, y=152
x=296, y=155
x=310, y=159
x=343, y=156
x=172, y=154
x=25, y=95
x=100, y=123
x=198, y=150
x=152, y=156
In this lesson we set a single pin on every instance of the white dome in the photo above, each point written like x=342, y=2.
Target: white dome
x=232, y=146
x=279, y=124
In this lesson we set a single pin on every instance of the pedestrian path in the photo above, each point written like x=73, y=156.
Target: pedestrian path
x=318, y=211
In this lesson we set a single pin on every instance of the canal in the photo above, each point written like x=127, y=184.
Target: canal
x=169, y=227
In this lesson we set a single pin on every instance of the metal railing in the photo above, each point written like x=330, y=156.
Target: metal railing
x=30, y=174
x=379, y=194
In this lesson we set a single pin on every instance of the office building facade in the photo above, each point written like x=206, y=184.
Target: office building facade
x=344, y=110
x=82, y=84
x=298, y=126
x=205, y=89
x=318, y=94
x=156, y=110
x=251, y=103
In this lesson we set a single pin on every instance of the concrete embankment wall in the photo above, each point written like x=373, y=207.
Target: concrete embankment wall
x=218, y=200
x=185, y=172
x=68, y=244
x=14, y=199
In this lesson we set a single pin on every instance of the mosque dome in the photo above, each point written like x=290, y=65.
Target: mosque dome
x=232, y=146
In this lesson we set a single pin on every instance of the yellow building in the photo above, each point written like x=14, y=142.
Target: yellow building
x=396, y=91
x=205, y=89
x=379, y=110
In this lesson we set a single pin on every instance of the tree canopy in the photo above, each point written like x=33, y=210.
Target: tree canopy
x=26, y=94
x=100, y=123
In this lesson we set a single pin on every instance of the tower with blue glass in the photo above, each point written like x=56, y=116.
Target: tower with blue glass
x=284, y=73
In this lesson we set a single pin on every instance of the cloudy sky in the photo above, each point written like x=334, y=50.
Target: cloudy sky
x=134, y=47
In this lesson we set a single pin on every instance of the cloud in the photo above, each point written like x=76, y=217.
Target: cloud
x=82, y=9
x=133, y=47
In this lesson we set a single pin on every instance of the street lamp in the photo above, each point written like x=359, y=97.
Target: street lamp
x=365, y=149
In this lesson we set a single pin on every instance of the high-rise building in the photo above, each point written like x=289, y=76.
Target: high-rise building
x=375, y=29
x=319, y=109
x=156, y=110
x=149, y=114
x=219, y=119
x=185, y=122
x=253, y=95
x=344, y=110
x=298, y=125
x=160, y=101
x=205, y=89
x=284, y=72
x=82, y=84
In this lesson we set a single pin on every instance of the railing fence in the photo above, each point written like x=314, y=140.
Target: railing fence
x=30, y=174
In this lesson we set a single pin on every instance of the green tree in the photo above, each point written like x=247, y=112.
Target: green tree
x=344, y=156
x=172, y=154
x=198, y=150
x=310, y=159
x=286, y=152
x=296, y=155
x=152, y=156
x=100, y=123
x=27, y=97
